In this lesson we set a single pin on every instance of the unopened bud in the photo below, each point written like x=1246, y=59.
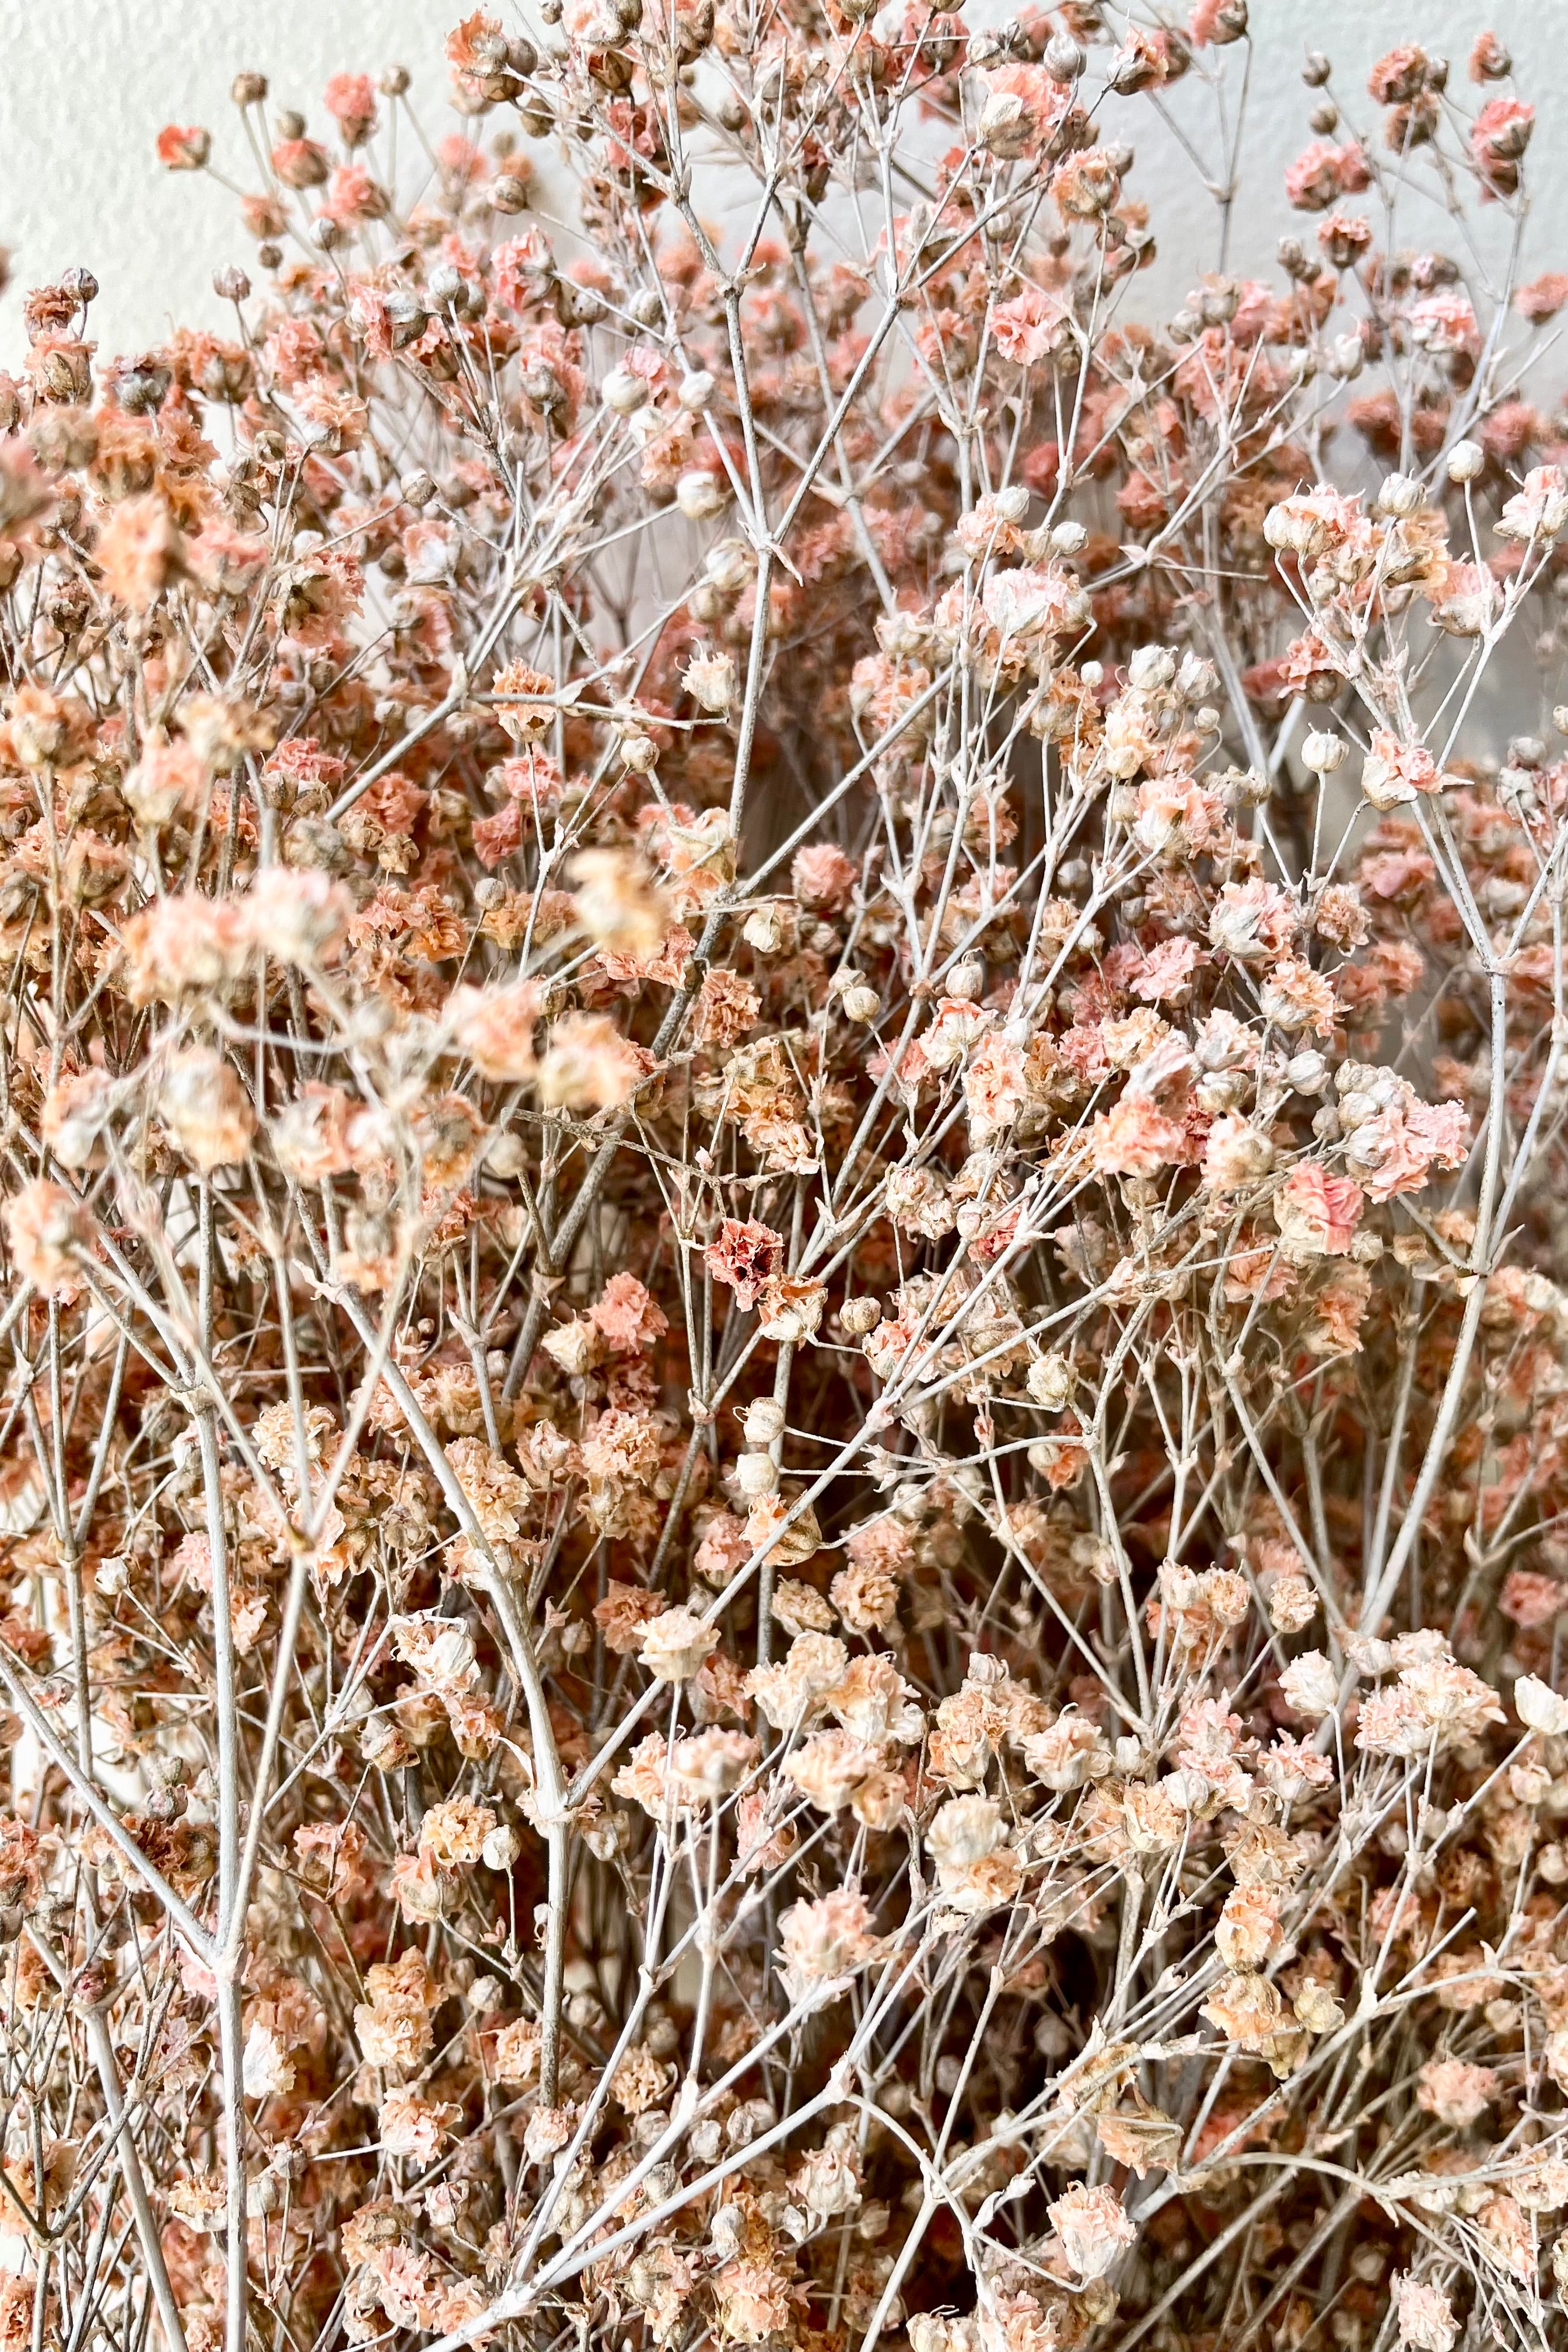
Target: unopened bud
x=1401, y=494
x=700, y=495
x=764, y=1421
x=623, y=391
x=757, y=1474
x=1322, y=753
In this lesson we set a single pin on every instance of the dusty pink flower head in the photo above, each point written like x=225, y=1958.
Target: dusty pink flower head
x=1317, y=1211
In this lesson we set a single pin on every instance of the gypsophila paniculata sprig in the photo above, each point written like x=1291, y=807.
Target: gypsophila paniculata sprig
x=786, y=1399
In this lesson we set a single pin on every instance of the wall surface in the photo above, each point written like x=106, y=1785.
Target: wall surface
x=86, y=85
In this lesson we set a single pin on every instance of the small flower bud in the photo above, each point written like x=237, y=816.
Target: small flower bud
x=729, y=565
x=623, y=391
x=764, y=1421
x=1065, y=59
x=1322, y=753
x=1467, y=460
x=501, y=1848
x=860, y=1316
x=1401, y=494
x=248, y=89
x=1050, y=1380
x=701, y=495
x=1315, y=70
x=231, y=285
x=418, y=489
x=1151, y=667
x=1308, y=1073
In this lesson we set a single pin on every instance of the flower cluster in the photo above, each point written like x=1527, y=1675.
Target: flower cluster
x=783, y=1213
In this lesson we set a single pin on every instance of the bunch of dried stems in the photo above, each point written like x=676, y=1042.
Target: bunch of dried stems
x=785, y=1412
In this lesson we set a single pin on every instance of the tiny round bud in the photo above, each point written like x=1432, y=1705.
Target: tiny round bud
x=1308, y=1073
x=1526, y=752
x=1065, y=59
x=291, y=123
x=1315, y=70
x=764, y=1421
x=1151, y=667
x=1322, y=753
x=509, y=194
x=1070, y=539
x=648, y=307
x=501, y=1848
x=1466, y=460
x=231, y=285
x=1050, y=1380
x=1401, y=494
x=757, y=1474
x=269, y=255
x=700, y=495
x=967, y=977
x=639, y=753
x=418, y=489
x=394, y=82
x=622, y=392
x=444, y=285
x=859, y=1315
x=82, y=284
x=696, y=390
x=860, y=1003
x=1092, y=672
x=248, y=89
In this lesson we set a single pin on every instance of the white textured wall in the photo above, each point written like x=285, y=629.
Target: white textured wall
x=86, y=84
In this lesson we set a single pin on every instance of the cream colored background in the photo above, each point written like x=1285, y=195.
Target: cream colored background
x=86, y=84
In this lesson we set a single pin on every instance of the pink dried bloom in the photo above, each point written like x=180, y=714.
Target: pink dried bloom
x=48, y=1229
x=1425, y=2315
x=823, y=1942
x=746, y=1256
x=1094, y=2229
x=1317, y=1211
x=206, y=1109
